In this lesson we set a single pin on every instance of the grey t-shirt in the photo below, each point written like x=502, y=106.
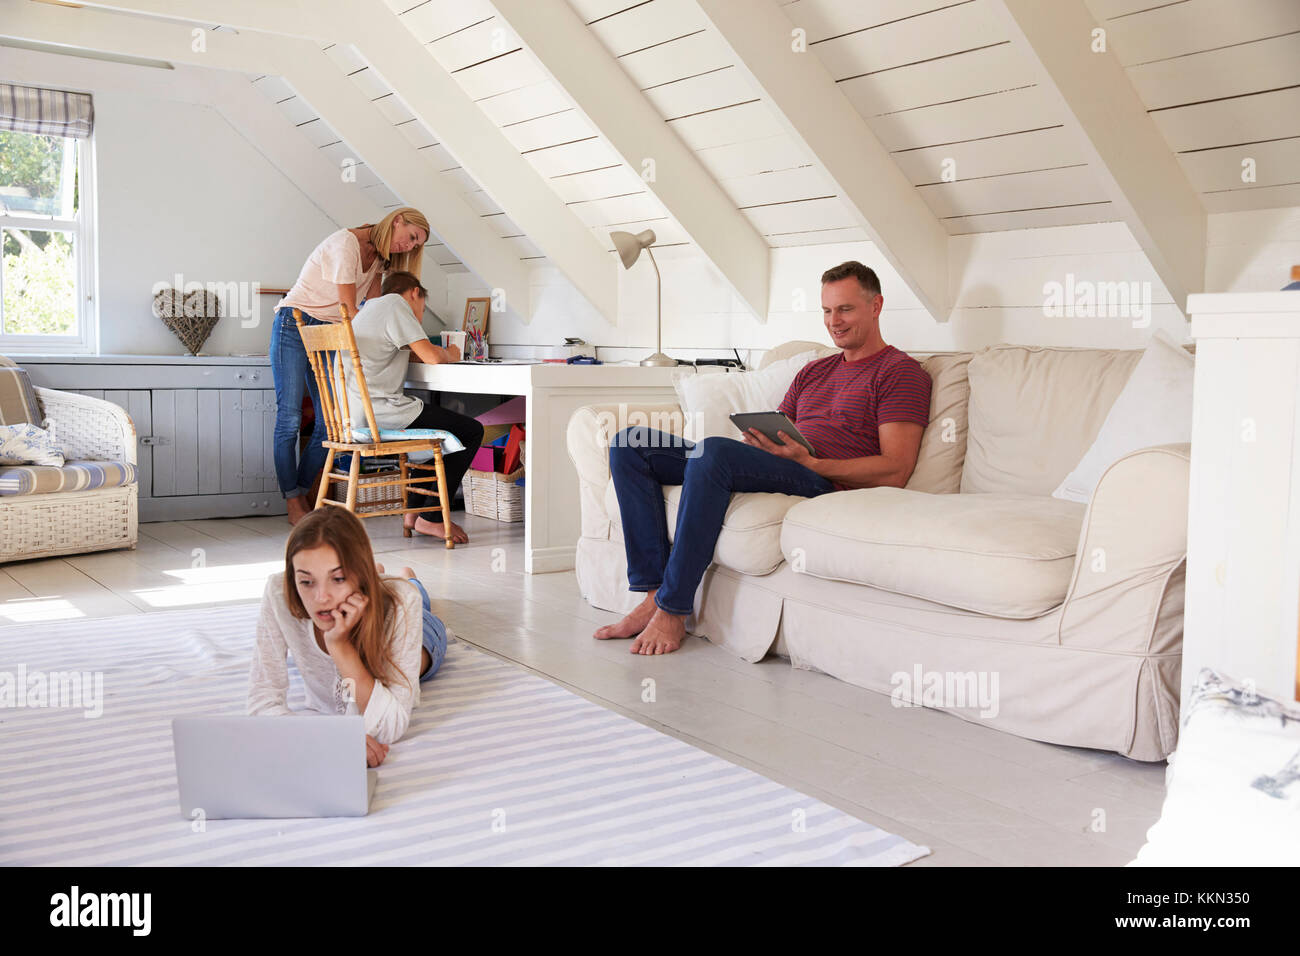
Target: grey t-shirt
x=384, y=327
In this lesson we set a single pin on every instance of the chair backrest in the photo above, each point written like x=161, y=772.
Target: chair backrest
x=328, y=346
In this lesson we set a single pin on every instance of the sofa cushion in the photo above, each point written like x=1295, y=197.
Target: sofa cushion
x=73, y=476
x=710, y=398
x=1035, y=411
x=750, y=541
x=1153, y=408
x=1007, y=555
x=943, y=446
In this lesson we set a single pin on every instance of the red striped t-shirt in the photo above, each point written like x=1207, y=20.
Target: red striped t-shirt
x=839, y=406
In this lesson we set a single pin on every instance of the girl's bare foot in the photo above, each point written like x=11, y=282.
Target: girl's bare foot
x=419, y=525
x=633, y=624
x=407, y=573
x=298, y=508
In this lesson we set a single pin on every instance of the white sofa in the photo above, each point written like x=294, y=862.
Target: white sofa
x=973, y=571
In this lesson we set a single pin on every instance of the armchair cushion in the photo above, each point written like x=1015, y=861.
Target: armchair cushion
x=18, y=403
x=73, y=476
x=26, y=444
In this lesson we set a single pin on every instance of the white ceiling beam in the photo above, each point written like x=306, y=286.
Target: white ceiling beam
x=1116, y=135
x=568, y=50
x=479, y=146
x=809, y=104
x=438, y=101
x=296, y=18
x=331, y=94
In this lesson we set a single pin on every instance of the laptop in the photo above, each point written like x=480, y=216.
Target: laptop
x=272, y=767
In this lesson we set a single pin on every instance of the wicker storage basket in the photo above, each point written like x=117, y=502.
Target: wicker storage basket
x=490, y=494
x=369, y=497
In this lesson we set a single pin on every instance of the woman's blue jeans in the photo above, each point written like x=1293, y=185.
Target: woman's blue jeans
x=293, y=378
x=642, y=460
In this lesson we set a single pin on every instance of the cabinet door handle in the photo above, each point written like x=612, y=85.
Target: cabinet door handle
x=155, y=440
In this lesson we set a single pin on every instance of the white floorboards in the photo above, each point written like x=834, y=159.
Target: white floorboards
x=973, y=795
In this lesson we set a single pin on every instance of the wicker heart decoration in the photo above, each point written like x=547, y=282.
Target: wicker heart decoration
x=191, y=316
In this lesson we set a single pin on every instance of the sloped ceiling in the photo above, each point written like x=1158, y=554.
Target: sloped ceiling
x=943, y=87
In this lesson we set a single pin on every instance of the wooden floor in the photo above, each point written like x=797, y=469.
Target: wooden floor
x=972, y=794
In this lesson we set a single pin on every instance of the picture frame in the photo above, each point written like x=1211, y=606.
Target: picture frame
x=477, y=312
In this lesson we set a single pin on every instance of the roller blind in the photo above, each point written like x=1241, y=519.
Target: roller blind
x=28, y=109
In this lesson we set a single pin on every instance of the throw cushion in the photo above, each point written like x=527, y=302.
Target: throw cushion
x=1154, y=408
x=1233, y=785
x=25, y=444
x=708, y=399
x=17, y=397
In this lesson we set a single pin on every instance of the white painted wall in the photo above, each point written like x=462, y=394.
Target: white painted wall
x=180, y=191
x=997, y=280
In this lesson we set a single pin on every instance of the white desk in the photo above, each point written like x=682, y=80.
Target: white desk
x=552, y=517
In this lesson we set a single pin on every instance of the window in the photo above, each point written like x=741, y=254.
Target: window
x=46, y=253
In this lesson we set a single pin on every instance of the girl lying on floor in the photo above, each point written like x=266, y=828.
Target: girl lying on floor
x=363, y=644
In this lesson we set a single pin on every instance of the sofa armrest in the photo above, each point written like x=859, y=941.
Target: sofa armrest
x=1126, y=591
x=590, y=430
x=89, y=429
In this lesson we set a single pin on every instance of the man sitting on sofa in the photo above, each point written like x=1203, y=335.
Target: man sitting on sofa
x=863, y=411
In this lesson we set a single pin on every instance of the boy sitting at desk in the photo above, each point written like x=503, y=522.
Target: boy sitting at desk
x=389, y=336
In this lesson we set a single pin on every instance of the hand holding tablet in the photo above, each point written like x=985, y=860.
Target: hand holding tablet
x=768, y=424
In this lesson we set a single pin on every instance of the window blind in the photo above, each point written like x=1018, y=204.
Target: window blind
x=28, y=109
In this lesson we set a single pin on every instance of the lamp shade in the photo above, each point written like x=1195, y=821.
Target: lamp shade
x=629, y=246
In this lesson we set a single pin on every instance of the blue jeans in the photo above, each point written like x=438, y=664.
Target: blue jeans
x=641, y=460
x=293, y=377
x=435, y=635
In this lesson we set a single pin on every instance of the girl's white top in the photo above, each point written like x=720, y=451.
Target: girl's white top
x=279, y=634
x=336, y=261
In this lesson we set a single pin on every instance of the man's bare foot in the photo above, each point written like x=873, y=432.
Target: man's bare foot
x=632, y=624
x=663, y=635
x=419, y=525
x=298, y=508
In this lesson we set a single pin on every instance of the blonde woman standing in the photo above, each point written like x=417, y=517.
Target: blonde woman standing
x=347, y=266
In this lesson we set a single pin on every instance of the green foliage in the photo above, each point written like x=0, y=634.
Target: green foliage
x=39, y=285
x=31, y=169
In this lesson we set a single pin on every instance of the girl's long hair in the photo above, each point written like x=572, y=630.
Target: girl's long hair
x=343, y=531
x=381, y=234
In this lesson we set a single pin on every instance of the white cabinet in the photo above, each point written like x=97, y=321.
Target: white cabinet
x=204, y=429
x=1243, y=535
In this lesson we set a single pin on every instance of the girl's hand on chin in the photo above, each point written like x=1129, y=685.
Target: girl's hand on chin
x=345, y=617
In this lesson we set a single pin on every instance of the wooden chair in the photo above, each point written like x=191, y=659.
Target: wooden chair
x=328, y=346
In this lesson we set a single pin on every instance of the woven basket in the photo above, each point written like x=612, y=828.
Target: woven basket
x=490, y=494
x=369, y=497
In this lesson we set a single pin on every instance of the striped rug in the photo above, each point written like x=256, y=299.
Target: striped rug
x=499, y=767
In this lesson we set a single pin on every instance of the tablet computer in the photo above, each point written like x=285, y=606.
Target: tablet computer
x=768, y=424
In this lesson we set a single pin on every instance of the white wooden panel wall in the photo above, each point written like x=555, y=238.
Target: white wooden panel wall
x=669, y=49
x=942, y=86
x=1221, y=79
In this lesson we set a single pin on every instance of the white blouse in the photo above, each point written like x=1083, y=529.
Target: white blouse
x=279, y=634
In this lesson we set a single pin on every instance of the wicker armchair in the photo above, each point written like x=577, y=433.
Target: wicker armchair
x=74, y=522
